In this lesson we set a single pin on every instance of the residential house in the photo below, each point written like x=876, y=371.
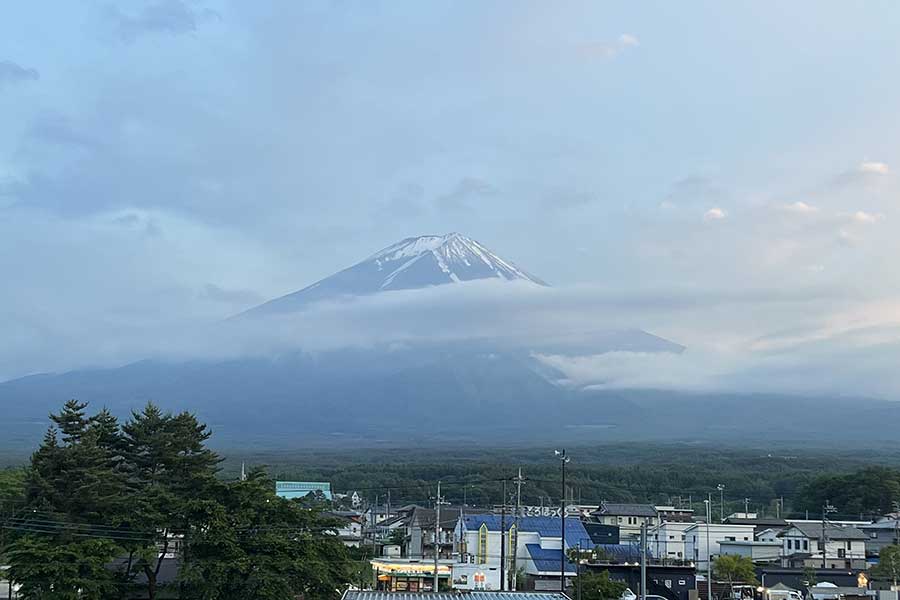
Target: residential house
x=629, y=517
x=759, y=551
x=419, y=532
x=666, y=541
x=760, y=524
x=673, y=582
x=843, y=547
x=351, y=528
x=674, y=514
x=701, y=540
x=880, y=534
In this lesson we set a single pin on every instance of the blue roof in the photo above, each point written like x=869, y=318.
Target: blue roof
x=547, y=559
x=545, y=526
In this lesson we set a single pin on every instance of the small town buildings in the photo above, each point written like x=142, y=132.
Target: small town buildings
x=699, y=547
x=410, y=575
x=674, y=582
x=666, y=541
x=880, y=534
x=302, y=489
x=759, y=551
x=629, y=517
x=532, y=544
x=351, y=528
x=844, y=546
x=481, y=595
x=674, y=514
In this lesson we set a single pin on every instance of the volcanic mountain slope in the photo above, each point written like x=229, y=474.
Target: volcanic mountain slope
x=412, y=263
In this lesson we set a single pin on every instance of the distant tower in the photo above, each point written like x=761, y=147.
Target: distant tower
x=243, y=472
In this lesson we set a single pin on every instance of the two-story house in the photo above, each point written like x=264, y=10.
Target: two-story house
x=842, y=547
x=666, y=541
x=629, y=518
x=881, y=534
x=701, y=541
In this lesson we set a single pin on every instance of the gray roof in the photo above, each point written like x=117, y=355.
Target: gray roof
x=626, y=510
x=367, y=595
x=832, y=532
x=890, y=524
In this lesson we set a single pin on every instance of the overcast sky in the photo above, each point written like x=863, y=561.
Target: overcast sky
x=166, y=162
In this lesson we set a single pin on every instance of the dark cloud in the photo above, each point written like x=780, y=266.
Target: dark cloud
x=11, y=73
x=467, y=192
x=172, y=17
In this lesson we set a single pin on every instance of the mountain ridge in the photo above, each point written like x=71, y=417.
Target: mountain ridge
x=411, y=263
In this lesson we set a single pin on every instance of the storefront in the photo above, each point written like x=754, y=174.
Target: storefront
x=409, y=576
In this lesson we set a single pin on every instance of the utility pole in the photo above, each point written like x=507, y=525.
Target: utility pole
x=721, y=488
x=896, y=506
x=374, y=526
x=826, y=510
x=437, y=533
x=503, y=540
x=563, y=459
x=578, y=573
x=644, y=560
x=515, y=559
x=708, y=503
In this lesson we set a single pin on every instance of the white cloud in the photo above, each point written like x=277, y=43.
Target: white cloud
x=626, y=40
x=714, y=214
x=799, y=208
x=864, y=218
x=873, y=167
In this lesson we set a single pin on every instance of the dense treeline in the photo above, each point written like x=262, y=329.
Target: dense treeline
x=873, y=490
x=104, y=504
x=659, y=474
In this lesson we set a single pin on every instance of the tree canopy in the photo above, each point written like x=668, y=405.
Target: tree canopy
x=105, y=505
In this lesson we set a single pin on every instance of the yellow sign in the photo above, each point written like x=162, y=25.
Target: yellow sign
x=402, y=568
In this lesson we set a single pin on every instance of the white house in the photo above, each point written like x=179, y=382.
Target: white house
x=844, y=546
x=666, y=541
x=629, y=517
x=698, y=549
x=756, y=550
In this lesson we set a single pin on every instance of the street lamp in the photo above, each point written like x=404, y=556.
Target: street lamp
x=563, y=460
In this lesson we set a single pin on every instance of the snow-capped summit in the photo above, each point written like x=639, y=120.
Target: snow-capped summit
x=412, y=263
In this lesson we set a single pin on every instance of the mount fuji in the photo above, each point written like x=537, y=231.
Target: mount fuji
x=411, y=263
x=433, y=389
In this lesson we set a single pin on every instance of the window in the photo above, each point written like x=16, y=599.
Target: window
x=842, y=553
x=482, y=544
x=806, y=544
x=671, y=537
x=849, y=545
x=746, y=538
x=730, y=538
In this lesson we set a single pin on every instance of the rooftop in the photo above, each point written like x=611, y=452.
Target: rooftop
x=626, y=510
x=369, y=595
x=548, y=527
x=832, y=532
